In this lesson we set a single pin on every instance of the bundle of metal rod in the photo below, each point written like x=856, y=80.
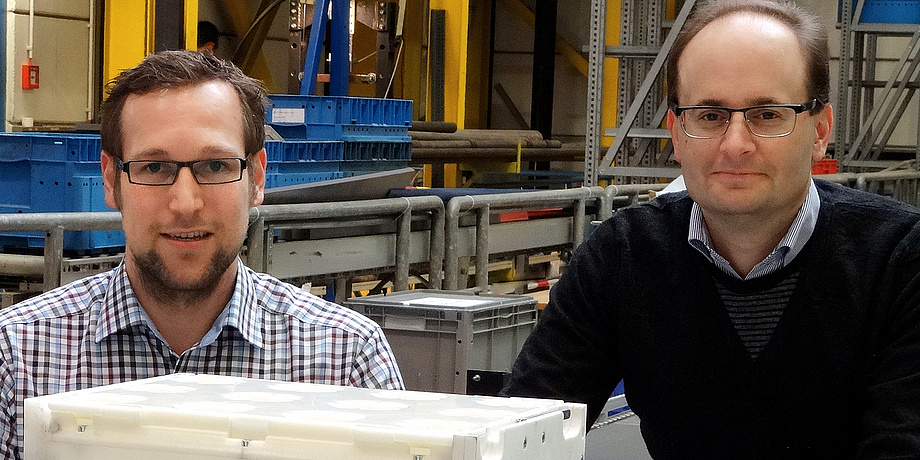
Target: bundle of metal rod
x=435, y=155
x=499, y=145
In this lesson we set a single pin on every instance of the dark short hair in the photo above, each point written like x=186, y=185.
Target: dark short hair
x=178, y=69
x=807, y=28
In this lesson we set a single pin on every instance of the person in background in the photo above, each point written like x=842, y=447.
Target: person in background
x=208, y=37
x=183, y=160
x=761, y=313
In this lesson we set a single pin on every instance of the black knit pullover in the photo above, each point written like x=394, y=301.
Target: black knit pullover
x=839, y=376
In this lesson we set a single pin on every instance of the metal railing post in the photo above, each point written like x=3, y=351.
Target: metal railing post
x=436, y=249
x=256, y=247
x=54, y=257
x=403, y=235
x=482, y=247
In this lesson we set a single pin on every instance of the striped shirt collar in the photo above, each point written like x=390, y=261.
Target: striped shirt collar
x=788, y=248
x=121, y=310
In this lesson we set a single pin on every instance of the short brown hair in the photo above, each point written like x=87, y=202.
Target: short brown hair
x=176, y=69
x=807, y=28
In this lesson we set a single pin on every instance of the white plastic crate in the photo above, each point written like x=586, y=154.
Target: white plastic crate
x=187, y=416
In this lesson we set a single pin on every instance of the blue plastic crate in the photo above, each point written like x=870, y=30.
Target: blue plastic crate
x=85, y=242
x=51, y=186
x=300, y=167
x=887, y=11
x=361, y=151
x=56, y=186
x=304, y=150
x=50, y=172
x=53, y=172
x=372, y=111
x=344, y=110
x=49, y=146
x=357, y=168
x=339, y=118
x=79, y=193
x=281, y=179
x=312, y=132
x=375, y=133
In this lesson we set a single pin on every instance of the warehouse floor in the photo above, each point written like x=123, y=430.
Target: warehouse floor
x=616, y=441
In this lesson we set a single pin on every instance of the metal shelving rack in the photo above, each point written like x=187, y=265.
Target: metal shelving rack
x=637, y=151
x=869, y=109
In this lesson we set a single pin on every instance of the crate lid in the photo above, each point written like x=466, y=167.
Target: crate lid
x=215, y=416
x=442, y=300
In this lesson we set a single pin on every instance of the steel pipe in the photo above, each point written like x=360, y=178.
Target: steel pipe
x=483, y=205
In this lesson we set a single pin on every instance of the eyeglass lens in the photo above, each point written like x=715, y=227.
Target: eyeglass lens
x=214, y=171
x=762, y=121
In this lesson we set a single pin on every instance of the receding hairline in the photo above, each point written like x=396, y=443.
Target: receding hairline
x=753, y=17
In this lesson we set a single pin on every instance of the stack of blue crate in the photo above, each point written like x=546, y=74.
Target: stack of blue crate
x=329, y=138
x=52, y=172
x=300, y=162
x=373, y=133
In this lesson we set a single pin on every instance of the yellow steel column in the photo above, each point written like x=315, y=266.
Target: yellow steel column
x=191, y=24
x=611, y=73
x=456, y=39
x=415, y=49
x=455, y=50
x=128, y=35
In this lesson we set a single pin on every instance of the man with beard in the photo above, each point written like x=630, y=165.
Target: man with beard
x=183, y=160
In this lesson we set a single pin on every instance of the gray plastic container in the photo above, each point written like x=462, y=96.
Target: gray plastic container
x=449, y=341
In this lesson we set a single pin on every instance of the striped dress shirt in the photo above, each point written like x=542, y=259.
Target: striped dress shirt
x=94, y=332
x=792, y=243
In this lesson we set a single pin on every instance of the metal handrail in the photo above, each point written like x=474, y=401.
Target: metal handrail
x=443, y=251
x=403, y=209
x=54, y=225
x=483, y=205
x=633, y=193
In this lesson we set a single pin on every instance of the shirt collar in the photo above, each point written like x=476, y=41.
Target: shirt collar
x=786, y=250
x=242, y=312
x=121, y=310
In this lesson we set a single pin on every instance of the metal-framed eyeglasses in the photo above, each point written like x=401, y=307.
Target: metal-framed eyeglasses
x=710, y=122
x=212, y=171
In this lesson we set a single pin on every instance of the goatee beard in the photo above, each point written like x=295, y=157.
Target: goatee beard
x=165, y=288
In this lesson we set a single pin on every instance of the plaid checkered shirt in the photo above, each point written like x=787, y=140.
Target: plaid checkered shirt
x=94, y=332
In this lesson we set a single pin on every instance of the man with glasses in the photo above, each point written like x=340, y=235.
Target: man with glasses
x=183, y=160
x=760, y=314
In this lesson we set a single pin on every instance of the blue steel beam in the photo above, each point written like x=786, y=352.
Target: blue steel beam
x=338, y=78
x=314, y=48
x=340, y=62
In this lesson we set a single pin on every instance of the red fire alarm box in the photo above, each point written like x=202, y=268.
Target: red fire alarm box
x=29, y=76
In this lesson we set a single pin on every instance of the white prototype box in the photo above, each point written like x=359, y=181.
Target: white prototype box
x=189, y=416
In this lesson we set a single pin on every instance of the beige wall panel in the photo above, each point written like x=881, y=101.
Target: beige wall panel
x=60, y=49
x=75, y=8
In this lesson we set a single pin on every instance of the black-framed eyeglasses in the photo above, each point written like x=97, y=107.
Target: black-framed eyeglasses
x=710, y=122
x=212, y=171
